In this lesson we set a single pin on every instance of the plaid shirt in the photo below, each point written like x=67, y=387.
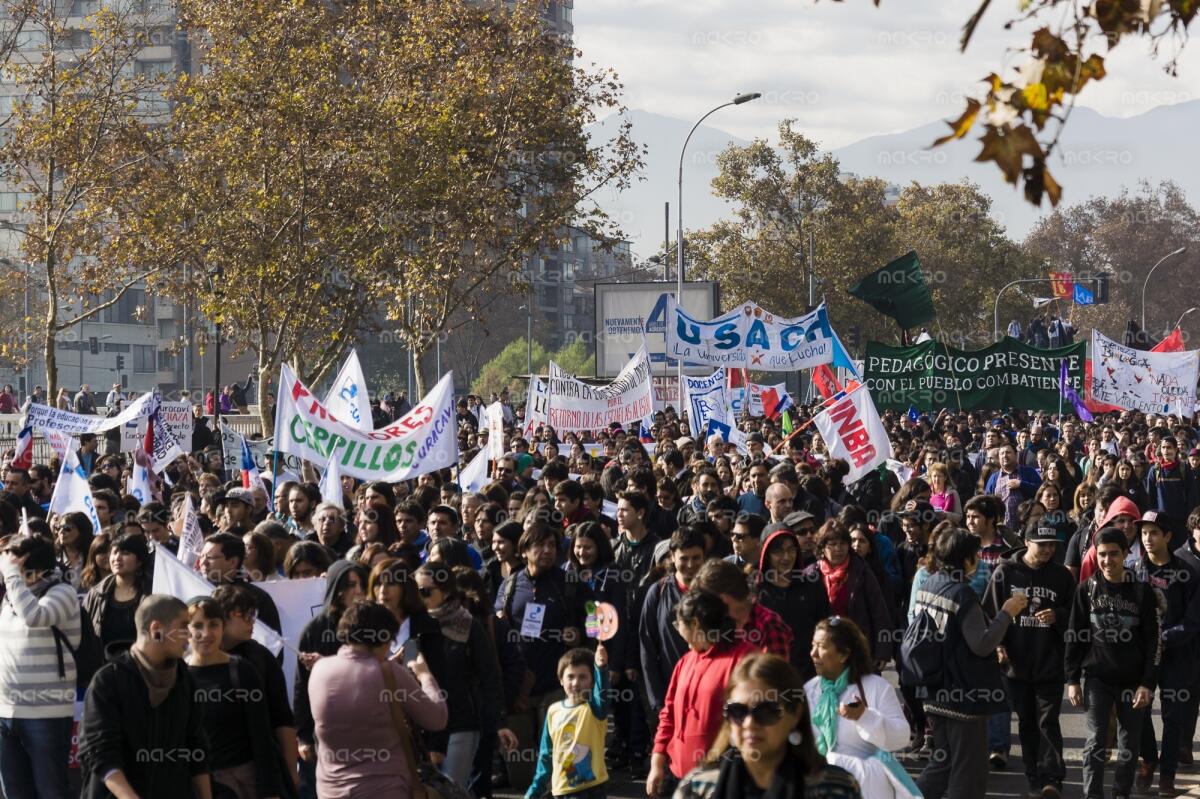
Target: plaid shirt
x=766, y=630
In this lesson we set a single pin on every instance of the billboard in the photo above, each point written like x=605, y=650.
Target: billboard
x=624, y=311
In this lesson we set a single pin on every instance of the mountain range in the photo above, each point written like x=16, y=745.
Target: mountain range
x=1098, y=155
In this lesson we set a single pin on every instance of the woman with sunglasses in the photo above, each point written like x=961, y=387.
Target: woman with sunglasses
x=766, y=745
x=856, y=716
x=691, y=714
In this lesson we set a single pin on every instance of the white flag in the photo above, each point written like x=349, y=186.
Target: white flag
x=495, y=427
x=297, y=601
x=72, y=492
x=853, y=432
x=191, y=540
x=173, y=578
x=474, y=475
x=348, y=399
x=331, y=482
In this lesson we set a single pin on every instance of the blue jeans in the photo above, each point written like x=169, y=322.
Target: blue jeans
x=33, y=757
x=1100, y=699
x=1000, y=731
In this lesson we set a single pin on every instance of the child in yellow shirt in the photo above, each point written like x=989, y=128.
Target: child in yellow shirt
x=571, y=757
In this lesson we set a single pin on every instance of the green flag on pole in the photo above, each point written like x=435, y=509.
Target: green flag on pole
x=898, y=290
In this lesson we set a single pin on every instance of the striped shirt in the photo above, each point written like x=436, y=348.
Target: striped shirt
x=31, y=686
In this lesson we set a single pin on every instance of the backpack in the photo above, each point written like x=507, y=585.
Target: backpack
x=89, y=655
x=921, y=652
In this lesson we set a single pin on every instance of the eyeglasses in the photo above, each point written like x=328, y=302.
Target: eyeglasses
x=426, y=592
x=764, y=713
x=740, y=536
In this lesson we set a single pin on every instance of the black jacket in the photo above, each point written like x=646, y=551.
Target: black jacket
x=563, y=603
x=867, y=607
x=801, y=604
x=320, y=636
x=661, y=646
x=158, y=749
x=472, y=691
x=1178, y=584
x=1035, y=651
x=1114, y=633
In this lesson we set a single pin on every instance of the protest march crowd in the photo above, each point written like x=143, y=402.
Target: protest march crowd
x=711, y=609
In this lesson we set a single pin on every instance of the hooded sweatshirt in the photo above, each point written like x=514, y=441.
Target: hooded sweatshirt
x=1121, y=506
x=802, y=603
x=1035, y=650
x=320, y=636
x=1114, y=633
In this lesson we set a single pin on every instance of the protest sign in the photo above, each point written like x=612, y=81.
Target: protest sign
x=1151, y=382
x=1008, y=374
x=703, y=395
x=853, y=432
x=424, y=440
x=751, y=337
x=537, y=406
x=46, y=417
x=494, y=416
x=574, y=405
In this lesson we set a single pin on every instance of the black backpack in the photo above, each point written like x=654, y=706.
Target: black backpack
x=921, y=652
x=89, y=655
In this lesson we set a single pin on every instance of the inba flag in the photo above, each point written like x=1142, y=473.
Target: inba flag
x=852, y=431
x=898, y=290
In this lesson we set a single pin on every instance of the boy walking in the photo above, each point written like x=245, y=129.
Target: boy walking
x=571, y=757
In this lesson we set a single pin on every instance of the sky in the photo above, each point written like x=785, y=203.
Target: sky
x=845, y=70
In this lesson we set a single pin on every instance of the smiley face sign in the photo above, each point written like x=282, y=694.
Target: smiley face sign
x=607, y=621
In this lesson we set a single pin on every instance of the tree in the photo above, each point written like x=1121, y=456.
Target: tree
x=79, y=137
x=782, y=194
x=500, y=372
x=482, y=154
x=1124, y=236
x=1025, y=109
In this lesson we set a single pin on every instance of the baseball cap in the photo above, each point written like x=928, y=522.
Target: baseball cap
x=775, y=527
x=922, y=511
x=1043, y=532
x=797, y=518
x=1157, y=518
x=243, y=495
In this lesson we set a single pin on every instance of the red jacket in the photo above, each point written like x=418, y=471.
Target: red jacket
x=692, y=710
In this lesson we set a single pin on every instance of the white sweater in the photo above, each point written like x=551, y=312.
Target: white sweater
x=30, y=684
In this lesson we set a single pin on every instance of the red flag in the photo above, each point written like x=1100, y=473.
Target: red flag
x=737, y=378
x=825, y=381
x=1063, y=284
x=1172, y=343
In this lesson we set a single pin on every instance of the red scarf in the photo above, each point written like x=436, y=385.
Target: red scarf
x=837, y=585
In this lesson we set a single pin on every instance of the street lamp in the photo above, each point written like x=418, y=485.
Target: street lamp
x=1182, y=315
x=1180, y=251
x=739, y=100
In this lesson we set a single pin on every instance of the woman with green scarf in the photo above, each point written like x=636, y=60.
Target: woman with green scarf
x=857, y=717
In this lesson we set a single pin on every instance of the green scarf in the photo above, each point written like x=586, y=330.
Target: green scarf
x=825, y=714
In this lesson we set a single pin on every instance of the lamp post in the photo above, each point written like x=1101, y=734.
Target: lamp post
x=739, y=100
x=1182, y=315
x=1146, y=283
x=996, y=307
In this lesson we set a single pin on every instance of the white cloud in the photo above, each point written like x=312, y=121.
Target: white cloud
x=845, y=70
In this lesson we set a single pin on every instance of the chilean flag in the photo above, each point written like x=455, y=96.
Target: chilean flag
x=644, y=430
x=775, y=400
x=23, y=454
x=141, y=483
x=250, y=476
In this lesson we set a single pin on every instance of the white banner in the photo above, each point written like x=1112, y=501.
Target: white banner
x=703, y=395
x=425, y=440
x=852, y=431
x=231, y=450
x=297, y=602
x=494, y=416
x=348, y=399
x=72, y=493
x=574, y=405
x=753, y=338
x=191, y=539
x=1151, y=382
x=537, y=406
x=172, y=577
x=474, y=475
x=45, y=417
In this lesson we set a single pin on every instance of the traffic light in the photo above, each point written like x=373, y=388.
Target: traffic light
x=120, y=362
x=94, y=345
x=1102, y=287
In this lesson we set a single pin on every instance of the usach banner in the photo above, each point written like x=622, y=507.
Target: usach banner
x=1008, y=374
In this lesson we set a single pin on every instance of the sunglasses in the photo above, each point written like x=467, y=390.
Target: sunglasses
x=740, y=536
x=764, y=713
x=426, y=592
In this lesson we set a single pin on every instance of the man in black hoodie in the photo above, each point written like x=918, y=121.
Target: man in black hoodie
x=1033, y=650
x=1114, y=648
x=1179, y=587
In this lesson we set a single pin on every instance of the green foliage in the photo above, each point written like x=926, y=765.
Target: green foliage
x=499, y=373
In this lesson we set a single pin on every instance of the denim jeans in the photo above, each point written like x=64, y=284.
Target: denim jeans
x=33, y=757
x=460, y=755
x=999, y=730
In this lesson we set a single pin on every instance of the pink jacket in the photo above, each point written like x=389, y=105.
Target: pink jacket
x=358, y=749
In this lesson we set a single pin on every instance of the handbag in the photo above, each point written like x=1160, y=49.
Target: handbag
x=427, y=781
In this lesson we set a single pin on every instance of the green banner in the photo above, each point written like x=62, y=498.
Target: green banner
x=1008, y=374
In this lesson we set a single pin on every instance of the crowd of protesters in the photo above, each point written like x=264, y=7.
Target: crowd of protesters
x=1000, y=563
